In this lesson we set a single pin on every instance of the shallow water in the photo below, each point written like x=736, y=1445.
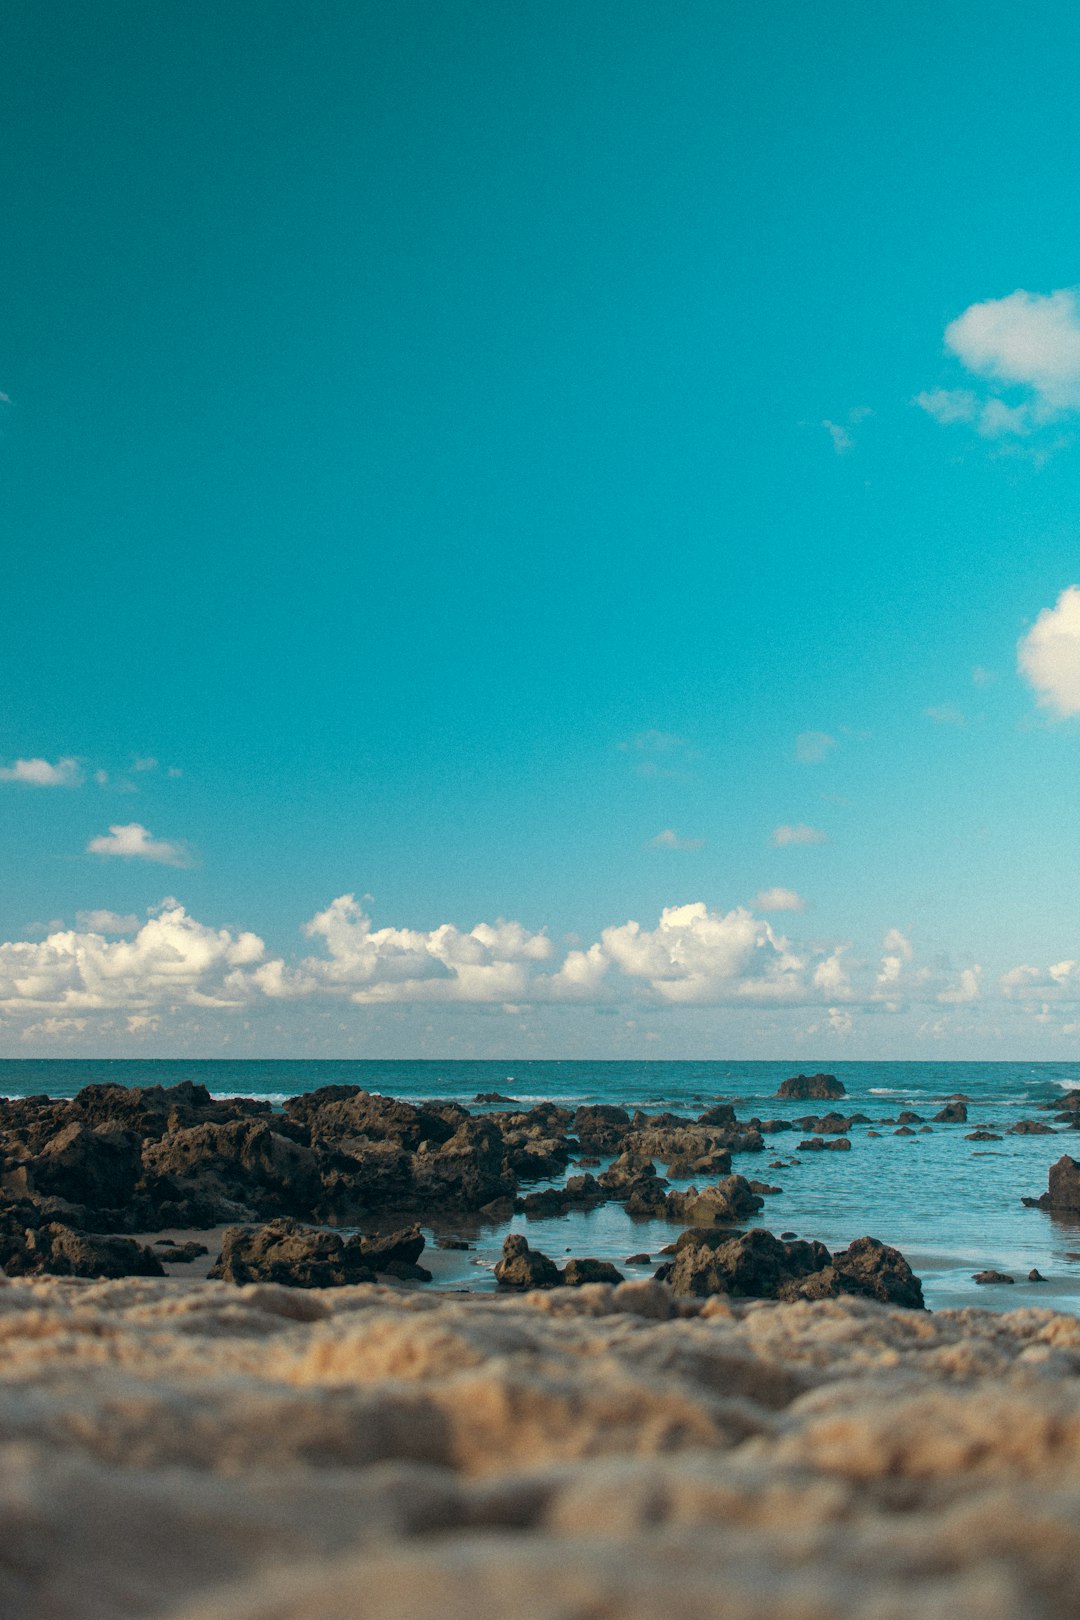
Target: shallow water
x=951, y=1205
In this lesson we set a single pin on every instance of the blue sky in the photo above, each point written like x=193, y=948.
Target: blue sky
x=451, y=454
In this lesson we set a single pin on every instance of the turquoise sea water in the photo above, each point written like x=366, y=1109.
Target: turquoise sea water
x=951, y=1205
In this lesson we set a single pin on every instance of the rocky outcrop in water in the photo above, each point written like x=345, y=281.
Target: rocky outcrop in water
x=1063, y=1192
x=807, y=1086
x=758, y=1265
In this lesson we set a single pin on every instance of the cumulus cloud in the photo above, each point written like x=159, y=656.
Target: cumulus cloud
x=1048, y=656
x=779, y=900
x=811, y=747
x=133, y=841
x=490, y=962
x=107, y=922
x=1058, y=982
x=172, y=960
x=799, y=834
x=694, y=955
x=40, y=773
x=670, y=839
x=1026, y=341
x=1032, y=339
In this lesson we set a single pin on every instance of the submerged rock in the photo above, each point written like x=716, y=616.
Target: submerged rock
x=992, y=1277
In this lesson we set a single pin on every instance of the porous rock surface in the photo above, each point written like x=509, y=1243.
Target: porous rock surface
x=195, y=1451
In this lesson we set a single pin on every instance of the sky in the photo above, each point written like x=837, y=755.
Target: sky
x=542, y=530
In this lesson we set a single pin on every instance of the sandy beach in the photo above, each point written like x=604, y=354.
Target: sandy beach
x=203, y=1452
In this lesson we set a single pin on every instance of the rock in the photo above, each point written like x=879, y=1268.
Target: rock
x=1031, y=1127
x=522, y=1267
x=728, y=1201
x=403, y=1247
x=811, y=1144
x=638, y=1260
x=284, y=1251
x=452, y=1243
x=982, y=1136
x=600, y=1128
x=65, y=1253
x=875, y=1134
x=1035, y=1275
x=908, y=1116
x=96, y=1166
x=805, y=1086
x=1063, y=1193
x=495, y=1097
x=180, y=1253
x=953, y=1113
x=758, y=1265
x=243, y=1160
x=992, y=1277
x=718, y=1114
x=580, y=1192
x=576, y=1273
x=905, y=1130
x=839, y=1144
x=763, y=1188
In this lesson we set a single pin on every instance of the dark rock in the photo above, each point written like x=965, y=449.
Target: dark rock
x=805, y=1086
x=982, y=1136
x=638, y=1260
x=728, y=1201
x=1031, y=1127
x=600, y=1128
x=719, y=1114
x=401, y=1248
x=811, y=1144
x=1035, y=1275
x=181, y=1253
x=96, y=1166
x=1063, y=1193
x=763, y=1188
x=953, y=1113
x=62, y=1252
x=522, y=1267
x=284, y=1251
x=905, y=1130
x=758, y=1265
x=992, y=1277
x=452, y=1243
x=908, y=1116
x=578, y=1272
x=495, y=1097
x=839, y=1144
x=580, y=1192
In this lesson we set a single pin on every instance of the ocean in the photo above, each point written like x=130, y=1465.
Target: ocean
x=952, y=1206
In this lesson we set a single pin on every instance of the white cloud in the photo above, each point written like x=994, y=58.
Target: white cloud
x=1032, y=339
x=491, y=962
x=134, y=841
x=811, y=747
x=1058, y=982
x=779, y=900
x=172, y=960
x=982, y=677
x=966, y=990
x=40, y=773
x=670, y=839
x=1048, y=656
x=694, y=956
x=800, y=834
x=1026, y=341
x=946, y=714
x=145, y=762
x=107, y=922
x=841, y=438
x=947, y=405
